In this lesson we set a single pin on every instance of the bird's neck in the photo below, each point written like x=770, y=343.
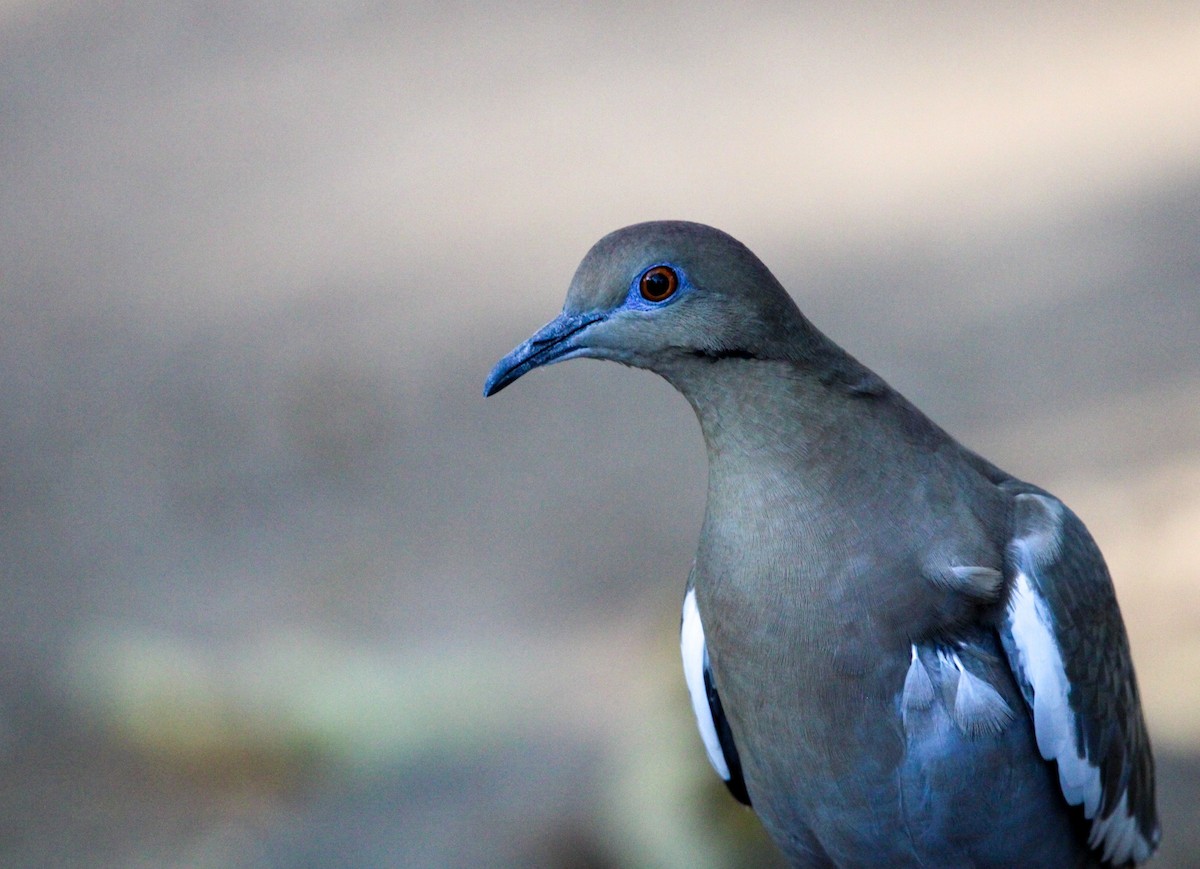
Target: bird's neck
x=788, y=450
x=756, y=413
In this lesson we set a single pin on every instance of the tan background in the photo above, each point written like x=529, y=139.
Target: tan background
x=280, y=589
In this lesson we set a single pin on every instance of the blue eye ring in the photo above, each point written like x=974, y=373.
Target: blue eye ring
x=658, y=283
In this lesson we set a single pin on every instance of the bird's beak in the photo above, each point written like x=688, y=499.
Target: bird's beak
x=557, y=340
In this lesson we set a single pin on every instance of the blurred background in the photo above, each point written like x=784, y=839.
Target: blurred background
x=279, y=589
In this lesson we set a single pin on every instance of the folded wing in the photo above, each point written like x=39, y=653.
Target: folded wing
x=1066, y=644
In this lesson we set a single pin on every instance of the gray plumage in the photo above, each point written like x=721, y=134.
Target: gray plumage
x=919, y=658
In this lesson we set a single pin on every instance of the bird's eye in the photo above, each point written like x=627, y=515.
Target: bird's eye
x=658, y=284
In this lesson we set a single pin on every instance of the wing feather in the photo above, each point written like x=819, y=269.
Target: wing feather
x=706, y=704
x=1066, y=644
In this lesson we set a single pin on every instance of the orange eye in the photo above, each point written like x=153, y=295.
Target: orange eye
x=658, y=283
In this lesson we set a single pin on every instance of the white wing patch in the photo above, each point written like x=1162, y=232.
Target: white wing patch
x=1053, y=720
x=695, y=662
x=1041, y=665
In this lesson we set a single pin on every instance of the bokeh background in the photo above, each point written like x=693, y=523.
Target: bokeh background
x=279, y=589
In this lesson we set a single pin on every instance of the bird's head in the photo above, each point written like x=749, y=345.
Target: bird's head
x=655, y=295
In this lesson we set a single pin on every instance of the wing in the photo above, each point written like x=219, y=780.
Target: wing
x=1066, y=644
x=710, y=717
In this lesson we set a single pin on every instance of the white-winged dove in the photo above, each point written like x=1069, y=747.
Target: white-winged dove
x=898, y=654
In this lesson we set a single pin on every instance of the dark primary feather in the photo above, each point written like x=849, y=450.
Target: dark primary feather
x=736, y=782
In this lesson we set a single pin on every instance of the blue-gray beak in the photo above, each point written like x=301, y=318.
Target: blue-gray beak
x=555, y=341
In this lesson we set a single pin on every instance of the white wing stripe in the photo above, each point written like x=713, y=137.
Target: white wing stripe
x=1053, y=720
x=695, y=660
